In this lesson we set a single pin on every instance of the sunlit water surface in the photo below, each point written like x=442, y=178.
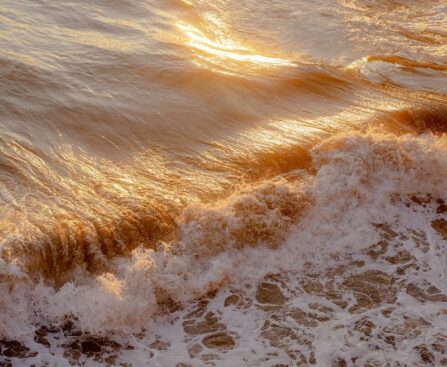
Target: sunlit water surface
x=154, y=151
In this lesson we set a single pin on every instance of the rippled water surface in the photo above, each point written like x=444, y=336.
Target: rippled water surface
x=171, y=170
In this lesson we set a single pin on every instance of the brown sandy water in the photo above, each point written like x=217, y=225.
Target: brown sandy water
x=224, y=183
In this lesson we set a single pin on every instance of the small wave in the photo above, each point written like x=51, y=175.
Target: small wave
x=432, y=118
x=405, y=62
x=403, y=72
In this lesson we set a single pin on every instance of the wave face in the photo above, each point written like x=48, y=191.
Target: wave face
x=221, y=183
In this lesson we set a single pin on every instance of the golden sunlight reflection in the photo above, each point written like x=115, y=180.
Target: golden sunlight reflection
x=219, y=52
x=282, y=132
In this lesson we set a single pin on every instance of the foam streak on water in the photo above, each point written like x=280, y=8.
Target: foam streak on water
x=223, y=183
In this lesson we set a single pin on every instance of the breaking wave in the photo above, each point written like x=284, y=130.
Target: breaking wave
x=220, y=184
x=358, y=187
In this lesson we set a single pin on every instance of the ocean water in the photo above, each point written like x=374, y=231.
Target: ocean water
x=223, y=183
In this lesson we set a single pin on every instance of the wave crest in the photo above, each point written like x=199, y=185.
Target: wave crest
x=261, y=229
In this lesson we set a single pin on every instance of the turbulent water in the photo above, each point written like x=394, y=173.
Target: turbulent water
x=223, y=183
